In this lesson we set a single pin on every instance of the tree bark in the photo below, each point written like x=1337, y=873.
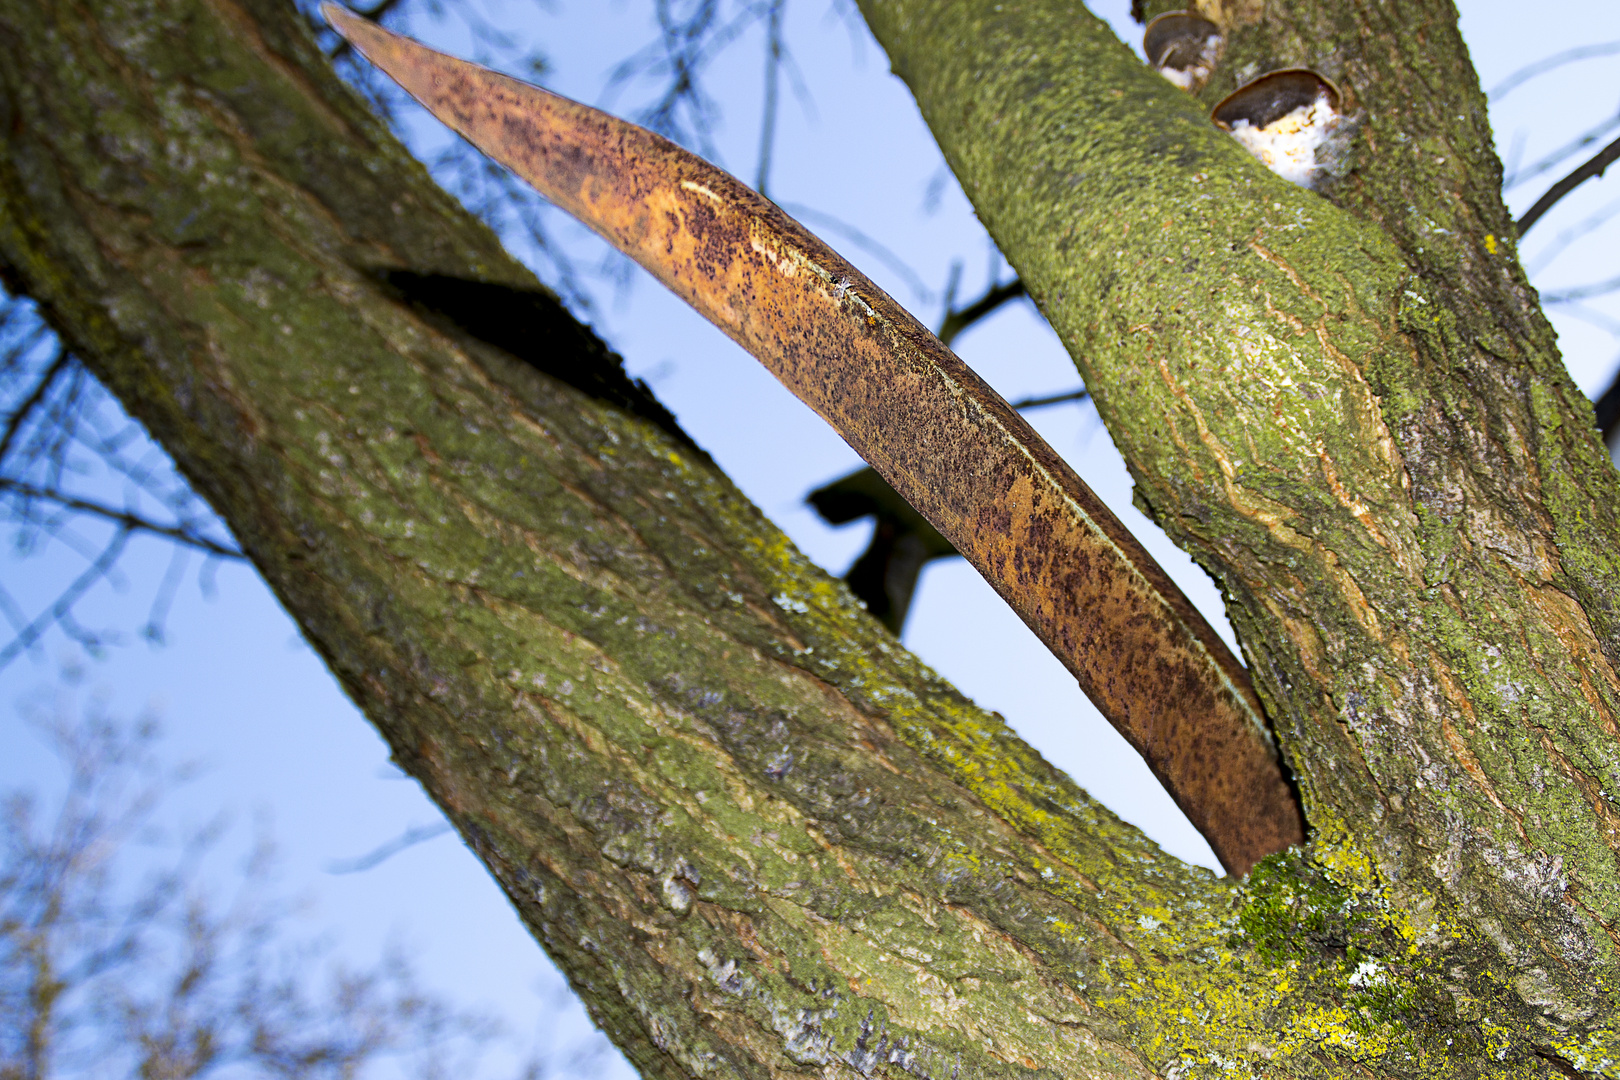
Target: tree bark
x=1351, y=411
x=759, y=837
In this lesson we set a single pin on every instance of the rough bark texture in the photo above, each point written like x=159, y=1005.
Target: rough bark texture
x=760, y=837
x=925, y=420
x=1350, y=409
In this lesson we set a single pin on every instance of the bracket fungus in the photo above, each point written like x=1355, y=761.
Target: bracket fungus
x=1183, y=47
x=1289, y=119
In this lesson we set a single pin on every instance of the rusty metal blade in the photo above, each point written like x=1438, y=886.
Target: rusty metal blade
x=947, y=442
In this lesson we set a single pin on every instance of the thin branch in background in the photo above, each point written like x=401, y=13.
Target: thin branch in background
x=957, y=319
x=20, y=416
x=1578, y=231
x=1594, y=166
x=934, y=190
x=678, y=56
x=60, y=614
x=1557, y=60
x=683, y=52
x=63, y=443
x=1551, y=161
x=185, y=534
x=1052, y=399
x=1606, y=410
x=157, y=616
x=1582, y=292
x=12, y=611
x=416, y=834
x=1588, y=315
x=691, y=35
x=866, y=243
x=773, y=77
x=849, y=15
x=1510, y=160
x=136, y=965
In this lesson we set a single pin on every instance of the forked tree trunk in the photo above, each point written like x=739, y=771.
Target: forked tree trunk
x=759, y=836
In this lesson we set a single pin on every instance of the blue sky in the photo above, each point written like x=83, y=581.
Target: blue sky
x=239, y=692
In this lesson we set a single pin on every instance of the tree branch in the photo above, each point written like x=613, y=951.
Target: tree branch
x=1594, y=166
x=877, y=376
x=1557, y=60
x=19, y=416
x=1305, y=503
x=1052, y=399
x=959, y=319
x=773, y=78
x=416, y=834
x=647, y=713
x=1563, y=153
x=60, y=613
x=126, y=520
x=1581, y=292
x=1606, y=409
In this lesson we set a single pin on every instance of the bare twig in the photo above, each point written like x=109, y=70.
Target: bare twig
x=60, y=435
x=959, y=319
x=416, y=834
x=1581, y=292
x=1605, y=322
x=1594, y=166
x=1578, y=231
x=20, y=416
x=137, y=966
x=866, y=243
x=1551, y=161
x=773, y=76
x=1054, y=399
x=61, y=612
x=184, y=535
x=1557, y=60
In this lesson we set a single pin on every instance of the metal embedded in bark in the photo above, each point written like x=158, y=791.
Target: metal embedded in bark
x=1290, y=119
x=1183, y=47
x=941, y=437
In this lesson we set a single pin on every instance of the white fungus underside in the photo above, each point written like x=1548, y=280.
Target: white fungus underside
x=1195, y=75
x=1288, y=146
x=1188, y=78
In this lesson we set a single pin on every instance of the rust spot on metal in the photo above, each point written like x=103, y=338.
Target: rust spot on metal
x=950, y=445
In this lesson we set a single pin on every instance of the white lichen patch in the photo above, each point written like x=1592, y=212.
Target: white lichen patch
x=1367, y=973
x=1298, y=144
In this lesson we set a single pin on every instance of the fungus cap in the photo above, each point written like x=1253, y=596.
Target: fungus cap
x=1289, y=119
x=1183, y=47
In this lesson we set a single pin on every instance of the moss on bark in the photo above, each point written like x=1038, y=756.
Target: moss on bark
x=1348, y=408
x=761, y=838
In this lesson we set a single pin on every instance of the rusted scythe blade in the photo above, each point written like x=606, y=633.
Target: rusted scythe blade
x=946, y=441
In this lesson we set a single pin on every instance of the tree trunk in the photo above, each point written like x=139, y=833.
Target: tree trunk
x=759, y=837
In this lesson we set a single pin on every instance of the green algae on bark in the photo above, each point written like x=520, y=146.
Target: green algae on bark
x=1347, y=407
x=758, y=836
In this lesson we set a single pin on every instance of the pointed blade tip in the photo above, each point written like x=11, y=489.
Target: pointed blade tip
x=341, y=19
